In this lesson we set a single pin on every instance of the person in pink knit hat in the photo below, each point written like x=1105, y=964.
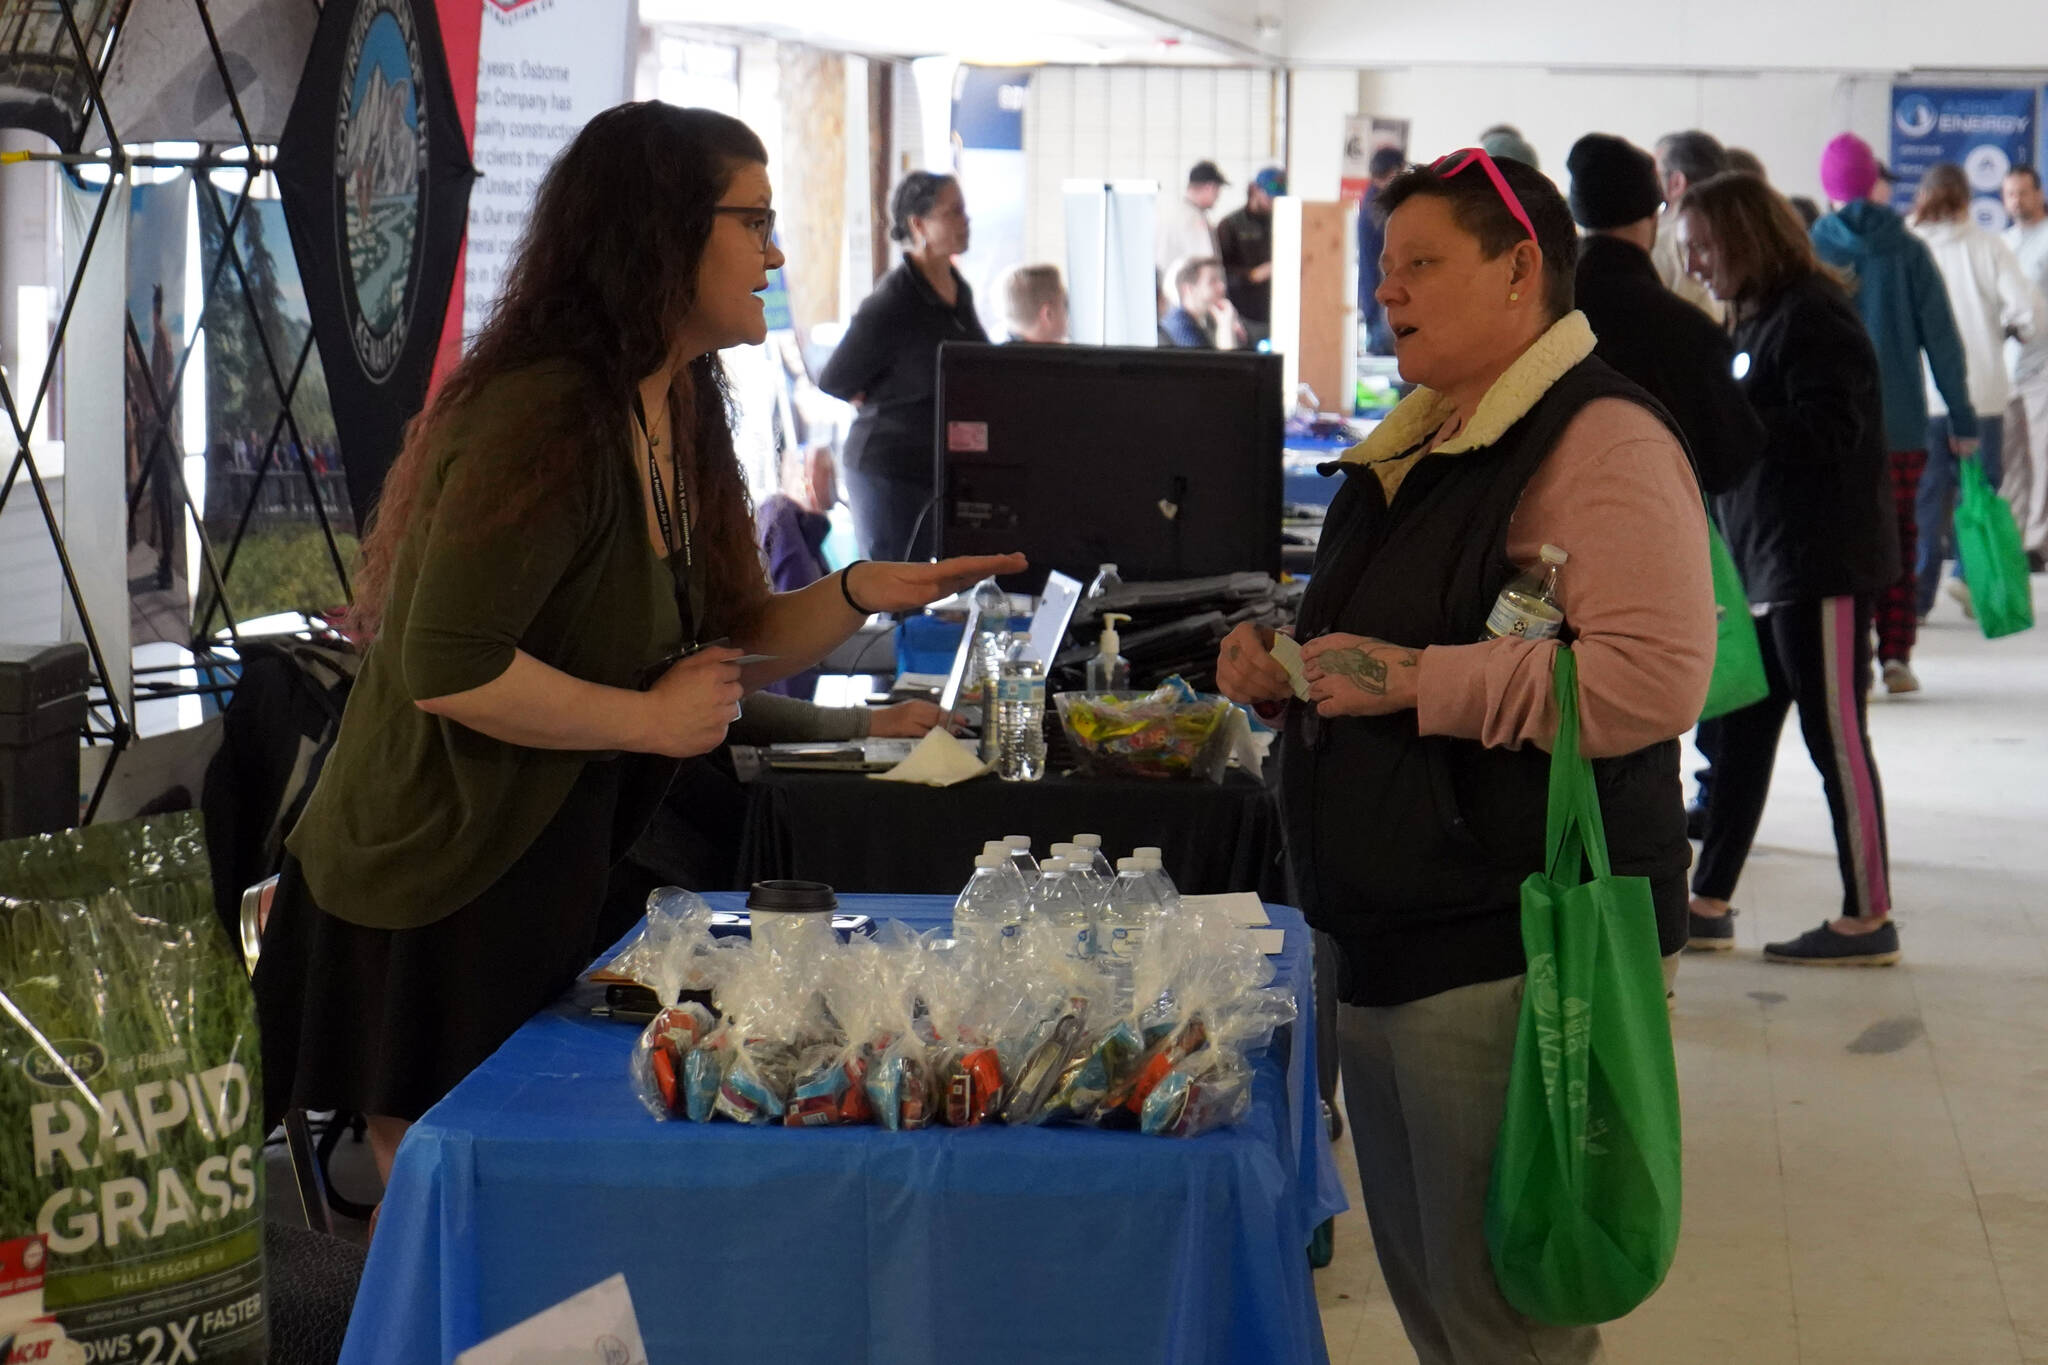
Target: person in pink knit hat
x=1899, y=293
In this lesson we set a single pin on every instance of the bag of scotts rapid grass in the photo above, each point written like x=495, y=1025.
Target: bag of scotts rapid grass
x=131, y=1137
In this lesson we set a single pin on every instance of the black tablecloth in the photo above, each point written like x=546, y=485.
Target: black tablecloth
x=861, y=835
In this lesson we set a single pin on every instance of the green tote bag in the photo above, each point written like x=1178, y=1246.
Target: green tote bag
x=1994, y=562
x=1738, y=679
x=1582, y=1214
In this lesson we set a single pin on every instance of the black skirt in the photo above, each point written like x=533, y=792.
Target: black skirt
x=386, y=1021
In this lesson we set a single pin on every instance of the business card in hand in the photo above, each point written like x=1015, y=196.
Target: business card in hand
x=1288, y=655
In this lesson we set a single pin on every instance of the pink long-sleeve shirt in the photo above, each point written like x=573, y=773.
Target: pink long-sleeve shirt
x=1617, y=495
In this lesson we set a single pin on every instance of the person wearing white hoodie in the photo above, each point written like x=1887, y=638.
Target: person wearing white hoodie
x=1992, y=299
x=2026, y=419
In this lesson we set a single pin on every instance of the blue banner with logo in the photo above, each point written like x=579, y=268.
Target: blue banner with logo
x=1987, y=131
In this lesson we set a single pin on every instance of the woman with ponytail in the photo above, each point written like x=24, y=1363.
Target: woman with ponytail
x=888, y=366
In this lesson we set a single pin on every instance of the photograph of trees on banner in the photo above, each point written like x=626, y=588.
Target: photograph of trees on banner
x=275, y=488
x=159, y=595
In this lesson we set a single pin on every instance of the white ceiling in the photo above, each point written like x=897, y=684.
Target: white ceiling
x=1685, y=35
x=1078, y=32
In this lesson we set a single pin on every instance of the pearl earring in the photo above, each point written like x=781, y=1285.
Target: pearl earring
x=1514, y=298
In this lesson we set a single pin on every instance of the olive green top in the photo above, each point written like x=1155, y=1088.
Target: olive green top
x=415, y=815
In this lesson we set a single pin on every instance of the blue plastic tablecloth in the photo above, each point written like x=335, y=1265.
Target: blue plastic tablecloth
x=541, y=1174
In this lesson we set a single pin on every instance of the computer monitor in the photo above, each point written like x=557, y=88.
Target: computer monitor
x=1163, y=462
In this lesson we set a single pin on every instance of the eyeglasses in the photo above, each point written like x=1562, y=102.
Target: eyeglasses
x=1471, y=156
x=763, y=226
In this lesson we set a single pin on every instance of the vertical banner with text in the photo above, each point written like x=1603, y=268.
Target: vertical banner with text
x=543, y=70
x=1987, y=131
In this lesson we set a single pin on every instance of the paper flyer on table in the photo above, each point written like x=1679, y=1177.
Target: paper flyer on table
x=1245, y=908
x=596, y=1327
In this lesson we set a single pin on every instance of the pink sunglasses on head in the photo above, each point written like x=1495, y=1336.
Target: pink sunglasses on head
x=1471, y=156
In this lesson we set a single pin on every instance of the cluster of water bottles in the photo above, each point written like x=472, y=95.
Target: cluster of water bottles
x=1102, y=913
x=1010, y=686
x=1012, y=690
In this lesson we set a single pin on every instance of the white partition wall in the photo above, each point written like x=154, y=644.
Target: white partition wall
x=1143, y=122
x=1111, y=296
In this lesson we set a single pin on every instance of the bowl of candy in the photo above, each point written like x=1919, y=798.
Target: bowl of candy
x=1172, y=732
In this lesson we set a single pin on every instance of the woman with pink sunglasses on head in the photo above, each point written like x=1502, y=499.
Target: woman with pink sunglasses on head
x=1413, y=776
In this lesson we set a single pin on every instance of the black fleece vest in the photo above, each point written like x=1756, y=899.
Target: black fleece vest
x=1411, y=849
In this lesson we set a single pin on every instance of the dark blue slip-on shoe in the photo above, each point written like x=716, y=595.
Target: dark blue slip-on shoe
x=1710, y=933
x=1823, y=947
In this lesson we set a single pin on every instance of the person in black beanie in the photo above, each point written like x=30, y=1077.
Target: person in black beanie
x=1648, y=333
x=1656, y=338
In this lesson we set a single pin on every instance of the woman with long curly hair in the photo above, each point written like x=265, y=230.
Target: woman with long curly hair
x=559, y=588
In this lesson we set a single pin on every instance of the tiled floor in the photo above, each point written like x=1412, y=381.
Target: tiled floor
x=1866, y=1151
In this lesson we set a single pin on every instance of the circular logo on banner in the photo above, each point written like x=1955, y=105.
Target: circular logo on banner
x=380, y=169
x=1987, y=167
x=1915, y=116
x=1990, y=214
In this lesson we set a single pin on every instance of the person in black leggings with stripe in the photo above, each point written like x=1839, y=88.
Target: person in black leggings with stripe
x=1811, y=529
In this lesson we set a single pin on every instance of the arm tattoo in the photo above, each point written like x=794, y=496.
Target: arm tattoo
x=1235, y=650
x=1366, y=672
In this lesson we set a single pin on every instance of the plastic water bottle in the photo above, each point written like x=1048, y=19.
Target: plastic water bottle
x=1011, y=872
x=1097, y=859
x=1021, y=859
x=1107, y=581
x=1021, y=719
x=1527, y=608
x=1083, y=866
x=1083, y=873
x=1061, y=904
x=989, y=914
x=992, y=642
x=1155, y=867
x=1121, y=926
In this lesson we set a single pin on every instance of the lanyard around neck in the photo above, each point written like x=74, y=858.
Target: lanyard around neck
x=660, y=490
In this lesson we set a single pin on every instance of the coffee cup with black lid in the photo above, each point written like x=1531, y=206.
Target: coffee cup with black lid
x=793, y=918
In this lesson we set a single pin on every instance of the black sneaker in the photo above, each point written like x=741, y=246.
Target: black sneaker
x=1823, y=947
x=1710, y=933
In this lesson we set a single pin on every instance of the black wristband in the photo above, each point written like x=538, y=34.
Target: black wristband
x=846, y=591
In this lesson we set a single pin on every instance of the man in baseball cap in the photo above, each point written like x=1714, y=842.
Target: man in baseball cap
x=1184, y=229
x=1244, y=241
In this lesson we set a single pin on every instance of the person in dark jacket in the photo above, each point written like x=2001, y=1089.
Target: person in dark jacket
x=1244, y=241
x=1658, y=338
x=1647, y=332
x=1898, y=290
x=1812, y=530
x=887, y=366
x=1413, y=775
x=1386, y=163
